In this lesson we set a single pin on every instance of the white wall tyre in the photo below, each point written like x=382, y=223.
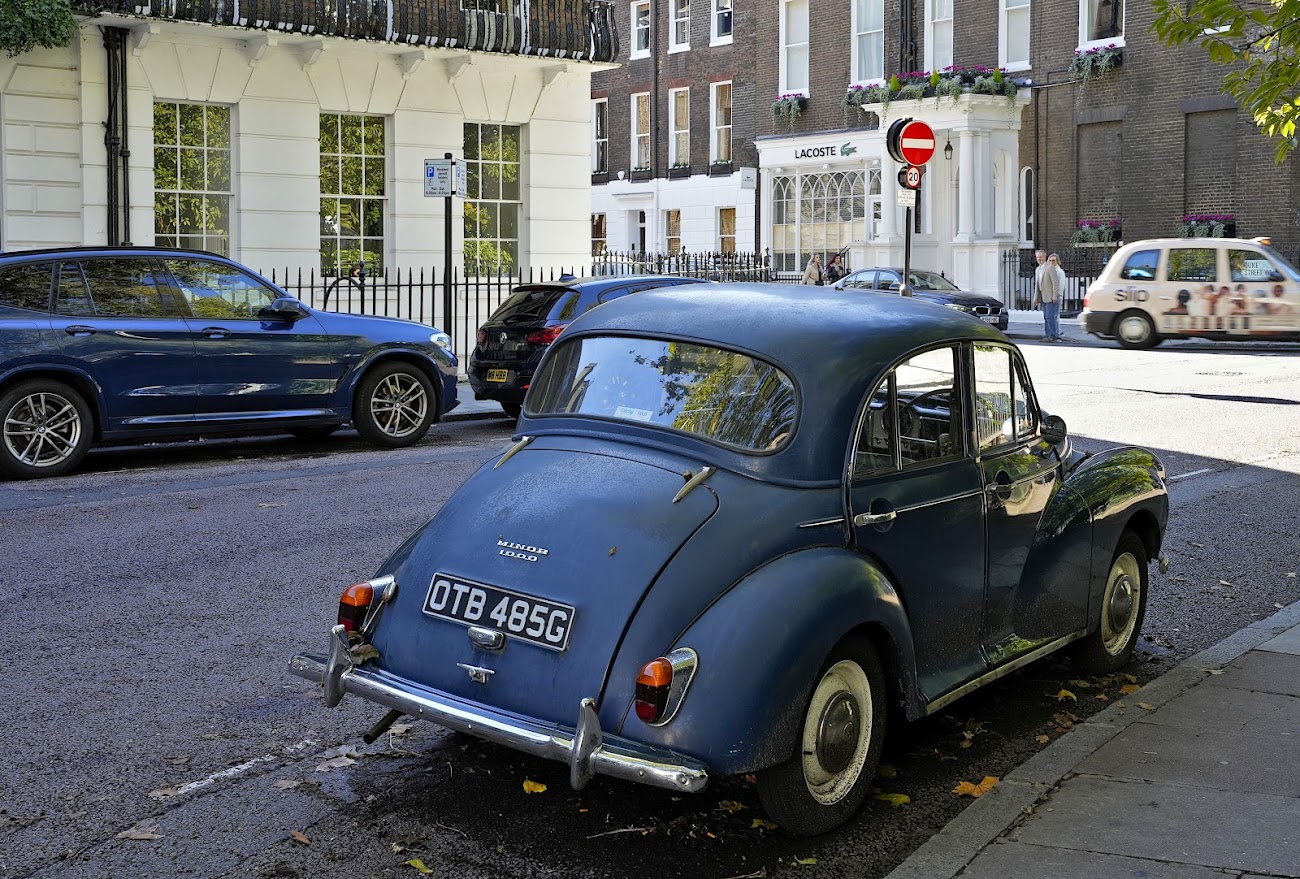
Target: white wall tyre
x=843, y=730
x=1123, y=606
x=45, y=429
x=395, y=405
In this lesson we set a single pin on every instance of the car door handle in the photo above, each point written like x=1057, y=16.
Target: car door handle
x=1001, y=485
x=215, y=332
x=80, y=330
x=874, y=518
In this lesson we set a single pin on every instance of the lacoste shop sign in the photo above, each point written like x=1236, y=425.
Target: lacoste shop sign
x=825, y=151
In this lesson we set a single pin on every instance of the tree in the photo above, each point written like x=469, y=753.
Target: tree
x=1260, y=40
x=26, y=24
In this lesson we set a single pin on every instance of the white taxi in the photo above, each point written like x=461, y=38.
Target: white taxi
x=1209, y=288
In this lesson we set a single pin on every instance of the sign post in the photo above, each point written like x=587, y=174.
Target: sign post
x=911, y=143
x=444, y=178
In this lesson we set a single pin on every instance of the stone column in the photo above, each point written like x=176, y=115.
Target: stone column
x=967, y=183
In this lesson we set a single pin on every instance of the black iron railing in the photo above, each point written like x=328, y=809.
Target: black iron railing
x=717, y=266
x=1082, y=266
x=574, y=29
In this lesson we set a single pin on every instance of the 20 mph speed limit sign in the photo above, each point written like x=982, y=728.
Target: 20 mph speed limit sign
x=910, y=177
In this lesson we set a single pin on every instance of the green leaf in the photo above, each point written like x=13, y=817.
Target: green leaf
x=26, y=24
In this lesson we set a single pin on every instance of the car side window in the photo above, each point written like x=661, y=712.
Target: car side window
x=888, y=281
x=861, y=280
x=913, y=417
x=216, y=290
x=1004, y=414
x=1247, y=266
x=1193, y=264
x=26, y=286
x=113, y=288
x=1140, y=266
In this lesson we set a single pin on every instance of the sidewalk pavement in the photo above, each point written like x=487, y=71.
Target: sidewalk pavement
x=1195, y=776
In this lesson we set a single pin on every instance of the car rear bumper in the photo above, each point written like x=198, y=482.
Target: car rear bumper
x=1098, y=322
x=585, y=748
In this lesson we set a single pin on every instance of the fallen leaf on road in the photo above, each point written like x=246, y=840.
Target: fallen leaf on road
x=1129, y=689
x=894, y=799
x=267, y=506
x=533, y=787
x=176, y=761
x=1215, y=671
x=763, y=824
x=1292, y=574
x=1043, y=740
x=1224, y=583
x=286, y=784
x=805, y=862
x=1102, y=697
x=1193, y=543
x=1066, y=694
x=162, y=793
x=1081, y=684
x=299, y=836
x=730, y=806
x=884, y=770
x=1278, y=606
x=146, y=829
x=1146, y=706
x=751, y=779
x=335, y=763
x=966, y=789
x=400, y=729
x=417, y=865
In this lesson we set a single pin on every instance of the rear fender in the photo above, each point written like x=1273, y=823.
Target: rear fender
x=761, y=646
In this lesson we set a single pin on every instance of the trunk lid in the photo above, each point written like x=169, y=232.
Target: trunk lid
x=555, y=528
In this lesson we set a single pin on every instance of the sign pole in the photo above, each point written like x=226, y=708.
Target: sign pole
x=447, y=299
x=905, y=288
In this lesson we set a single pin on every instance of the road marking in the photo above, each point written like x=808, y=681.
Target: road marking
x=222, y=775
x=1193, y=473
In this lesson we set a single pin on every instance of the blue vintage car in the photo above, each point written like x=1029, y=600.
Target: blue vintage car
x=741, y=526
x=134, y=343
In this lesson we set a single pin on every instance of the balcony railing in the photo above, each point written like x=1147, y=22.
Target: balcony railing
x=581, y=30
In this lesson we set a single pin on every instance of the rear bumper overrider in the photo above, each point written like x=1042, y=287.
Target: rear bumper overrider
x=585, y=748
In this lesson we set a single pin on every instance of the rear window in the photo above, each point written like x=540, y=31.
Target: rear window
x=1140, y=266
x=530, y=304
x=26, y=286
x=722, y=396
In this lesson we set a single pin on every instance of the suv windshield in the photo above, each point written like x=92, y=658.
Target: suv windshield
x=719, y=395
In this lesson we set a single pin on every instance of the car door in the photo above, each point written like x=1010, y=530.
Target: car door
x=1032, y=596
x=861, y=280
x=890, y=282
x=916, y=503
x=250, y=365
x=118, y=321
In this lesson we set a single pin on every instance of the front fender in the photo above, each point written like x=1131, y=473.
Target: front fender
x=1124, y=489
x=761, y=646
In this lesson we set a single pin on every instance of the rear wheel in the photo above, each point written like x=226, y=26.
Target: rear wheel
x=512, y=408
x=1134, y=329
x=395, y=405
x=47, y=429
x=1123, y=606
x=826, y=780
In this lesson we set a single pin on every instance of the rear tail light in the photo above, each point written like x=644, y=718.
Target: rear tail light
x=354, y=605
x=1086, y=296
x=546, y=335
x=652, y=686
x=661, y=685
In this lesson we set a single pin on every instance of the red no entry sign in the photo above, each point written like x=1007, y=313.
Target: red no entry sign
x=916, y=142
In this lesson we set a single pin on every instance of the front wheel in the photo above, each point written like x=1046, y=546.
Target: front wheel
x=826, y=780
x=1123, y=606
x=395, y=405
x=47, y=429
x=1135, y=330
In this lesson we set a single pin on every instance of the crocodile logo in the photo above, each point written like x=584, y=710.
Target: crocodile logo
x=848, y=150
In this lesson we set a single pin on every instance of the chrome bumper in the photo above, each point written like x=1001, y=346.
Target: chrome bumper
x=586, y=749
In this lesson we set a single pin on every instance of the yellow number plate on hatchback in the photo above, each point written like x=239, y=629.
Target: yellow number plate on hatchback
x=498, y=375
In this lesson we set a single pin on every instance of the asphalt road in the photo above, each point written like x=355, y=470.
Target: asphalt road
x=151, y=600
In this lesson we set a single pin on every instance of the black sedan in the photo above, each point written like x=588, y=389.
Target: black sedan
x=512, y=341
x=931, y=287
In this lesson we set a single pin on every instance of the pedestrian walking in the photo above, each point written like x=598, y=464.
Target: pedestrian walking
x=1047, y=293
x=835, y=270
x=1054, y=260
x=813, y=274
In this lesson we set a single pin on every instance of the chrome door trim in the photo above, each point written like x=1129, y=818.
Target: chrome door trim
x=975, y=492
x=1001, y=671
x=838, y=520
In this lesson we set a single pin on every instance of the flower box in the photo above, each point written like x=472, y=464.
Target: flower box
x=721, y=169
x=641, y=174
x=677, y=172
x=1088, y=64
x=1094, y=232
x=789, y=107
x=951, y=83
x=1208, y=226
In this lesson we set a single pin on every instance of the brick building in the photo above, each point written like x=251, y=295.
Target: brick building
x=1145, y=139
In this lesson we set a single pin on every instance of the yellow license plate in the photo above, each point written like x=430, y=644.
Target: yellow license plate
x=498, y=375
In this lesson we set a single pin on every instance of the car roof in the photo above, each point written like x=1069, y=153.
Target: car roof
x=109, y=250
x=592, y=282
x=835, y=347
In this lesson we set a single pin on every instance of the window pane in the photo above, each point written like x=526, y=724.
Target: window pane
x=192, y=181
x=993, y=396
x=492, y=205
x=1193, y=264
x=1141, y=266
x=127, y=288
x=875, y=446
x=27, y=286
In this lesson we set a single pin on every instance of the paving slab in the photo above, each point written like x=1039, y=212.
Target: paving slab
x=1261, y=672
x=1260, y=757
x=1014, y=860
x=1248, y=832
x=1287, y=642
x=1229, y=703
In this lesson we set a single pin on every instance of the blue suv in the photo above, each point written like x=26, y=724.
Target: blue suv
x=123, y=343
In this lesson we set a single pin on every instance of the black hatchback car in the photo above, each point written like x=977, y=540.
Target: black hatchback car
x=930, y=287
x=512, y=341
x=102, y=344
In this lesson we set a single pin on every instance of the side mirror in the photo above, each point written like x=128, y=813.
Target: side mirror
x=1054, y=429
x=284, y=308
x=1275, y=275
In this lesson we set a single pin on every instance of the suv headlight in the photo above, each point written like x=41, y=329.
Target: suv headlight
x=954, y=305
x=442, y=340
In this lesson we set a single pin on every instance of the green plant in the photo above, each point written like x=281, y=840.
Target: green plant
x=26, y=24
x=1088, y=64
x=1095, y=232
x=789, y=107
x=934, y=79
x=895, y=83
x=912, y=91
x=952, y=87
x=1205, y=225
x=984, y=85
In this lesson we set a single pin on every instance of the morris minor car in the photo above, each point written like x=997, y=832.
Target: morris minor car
x=739, y=528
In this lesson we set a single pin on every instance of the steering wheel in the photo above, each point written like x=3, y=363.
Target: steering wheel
x=907, y=410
